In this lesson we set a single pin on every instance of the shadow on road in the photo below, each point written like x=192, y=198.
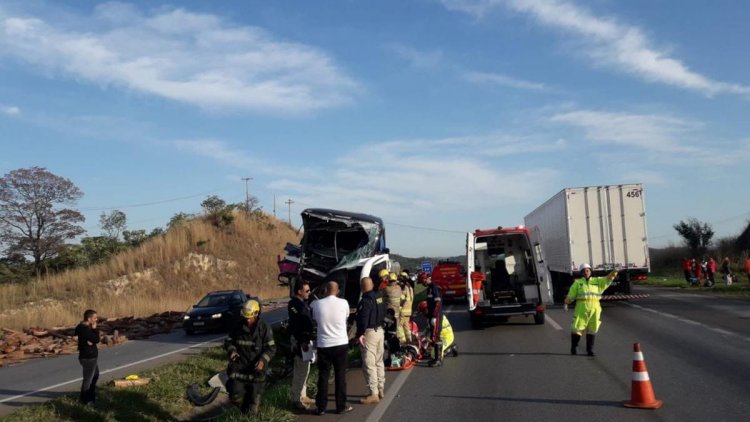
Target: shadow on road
x=604, y=403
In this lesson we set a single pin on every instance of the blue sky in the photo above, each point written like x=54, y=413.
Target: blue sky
x=450, y=115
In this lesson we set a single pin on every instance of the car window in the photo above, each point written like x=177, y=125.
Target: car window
x=236, y=299
x=214, y=300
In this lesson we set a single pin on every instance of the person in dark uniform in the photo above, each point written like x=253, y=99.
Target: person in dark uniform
x=88, y=354
x=250, y=346
x=301, y=330
x=435, y=309
x=370, y=336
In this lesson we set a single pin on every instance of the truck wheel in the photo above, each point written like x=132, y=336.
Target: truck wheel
x=539, y=318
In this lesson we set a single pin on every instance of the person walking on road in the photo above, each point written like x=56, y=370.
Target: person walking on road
x=88, y=354
x=250, y=347
x=435, y=310
x=301, y=330
x=586, y=293
x=747, y=268
x=331, y=314
x=370, y=336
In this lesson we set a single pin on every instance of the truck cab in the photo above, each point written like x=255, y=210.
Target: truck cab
x=450, y=277
x=336, y=246
x=506, y=276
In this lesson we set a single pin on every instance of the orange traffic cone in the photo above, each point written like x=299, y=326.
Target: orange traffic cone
x=642, y=394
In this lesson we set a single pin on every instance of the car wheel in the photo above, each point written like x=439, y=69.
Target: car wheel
x=539, y=318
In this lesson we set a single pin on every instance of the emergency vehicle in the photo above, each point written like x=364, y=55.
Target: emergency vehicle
x=506, y=276
x=450, y=277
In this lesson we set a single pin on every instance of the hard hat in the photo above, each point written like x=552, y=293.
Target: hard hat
x=422, y=276
x=404, y=274
x=251, y=309
x=383, y=273
x=584, y=266
x=393, y=276
x=422, y=306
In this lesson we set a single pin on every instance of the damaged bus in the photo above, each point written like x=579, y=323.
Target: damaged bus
x=336, y=246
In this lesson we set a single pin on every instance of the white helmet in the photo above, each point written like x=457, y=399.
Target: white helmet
x=584, y=266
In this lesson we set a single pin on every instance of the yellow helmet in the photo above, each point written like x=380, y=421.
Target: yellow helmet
x=393, y=277
x=251, y=309
x=383, y=273
x=404, y=274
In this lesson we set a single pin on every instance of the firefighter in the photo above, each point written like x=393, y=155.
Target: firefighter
x=384, y=276
x=407, y=300
x=586, y=292
x=250, y=347
x=392, y=296
x=447, y=339
x=435, y=311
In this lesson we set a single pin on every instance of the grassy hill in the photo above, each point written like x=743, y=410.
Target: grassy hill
x=169, y=272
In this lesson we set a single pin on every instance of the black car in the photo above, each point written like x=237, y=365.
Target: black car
x=215, y=312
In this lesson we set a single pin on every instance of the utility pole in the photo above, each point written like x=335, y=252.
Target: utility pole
x=274, y=205
x=289, y=203
x=247, y=194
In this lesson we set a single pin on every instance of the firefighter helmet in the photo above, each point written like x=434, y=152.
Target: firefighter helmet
x=422, y=306
x=393, y=277
x=383, y=273
x=422, y=277
x=251, y=309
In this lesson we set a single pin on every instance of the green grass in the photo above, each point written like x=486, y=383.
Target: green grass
x=162, y=399
x=742, y=288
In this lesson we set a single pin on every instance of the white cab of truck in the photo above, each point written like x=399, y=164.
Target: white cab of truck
x=604, y=226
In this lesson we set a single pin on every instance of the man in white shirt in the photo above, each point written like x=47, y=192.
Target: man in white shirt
x=331, y=314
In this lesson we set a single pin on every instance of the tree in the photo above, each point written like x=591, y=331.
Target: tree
x=113, y=224
x=218, y=212
x=178, y=219
x=134, y=238
x=31, y=222
x=743, y=240
x=696, y=235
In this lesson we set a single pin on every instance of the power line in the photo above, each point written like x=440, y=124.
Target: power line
x=146, y=204
x=432, y=229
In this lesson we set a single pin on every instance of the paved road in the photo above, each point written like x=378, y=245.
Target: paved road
x=42, y=379
x=695, y=346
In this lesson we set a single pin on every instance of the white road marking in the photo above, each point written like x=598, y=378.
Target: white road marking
x=52, y=387
x=552, y=322
x=688, y=321
x=390, y=394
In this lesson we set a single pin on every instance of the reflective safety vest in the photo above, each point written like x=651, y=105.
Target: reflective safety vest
x=587, y=293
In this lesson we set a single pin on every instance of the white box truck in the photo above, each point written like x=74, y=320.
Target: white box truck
x=604, y=226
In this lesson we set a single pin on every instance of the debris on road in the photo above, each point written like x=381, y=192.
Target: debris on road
x=36, y=342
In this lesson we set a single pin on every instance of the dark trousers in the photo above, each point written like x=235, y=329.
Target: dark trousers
x=90, y=377
x=335, y=356
x=249, y=392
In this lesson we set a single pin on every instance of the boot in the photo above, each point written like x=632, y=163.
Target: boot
x=381, y=394
x=371, y=399
x=590, y=344
x=574, y=339
x=454, y=350
x=438, y=360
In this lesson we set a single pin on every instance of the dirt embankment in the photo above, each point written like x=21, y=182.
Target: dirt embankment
x=144, y=291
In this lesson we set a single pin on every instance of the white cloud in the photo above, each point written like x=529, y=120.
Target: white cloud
x=198, y=59
x=502, y=80
x=651, y=138
x=10, y=110
x=417, y=58
x=607, y=42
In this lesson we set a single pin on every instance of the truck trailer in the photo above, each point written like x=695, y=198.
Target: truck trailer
x=604, y=226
